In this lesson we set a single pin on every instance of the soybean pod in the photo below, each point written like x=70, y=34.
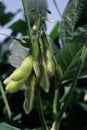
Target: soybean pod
x=29, y=94
x=44, y=79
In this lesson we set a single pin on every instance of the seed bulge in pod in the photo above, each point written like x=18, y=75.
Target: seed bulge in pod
x=7, y=80
x=23, y=71
x=36, y=57
x=44, y=80
x=29, y=94
x=50, y=63
x=14, y=86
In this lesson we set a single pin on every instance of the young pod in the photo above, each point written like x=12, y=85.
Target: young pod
x=7, y=80
x=44, y=80
x=27, y=64
x=36, y=54
x=17, y=75
x=50, y=66
x=23, y=71
x=29, y=94
x=36, y=67
x=14, y=86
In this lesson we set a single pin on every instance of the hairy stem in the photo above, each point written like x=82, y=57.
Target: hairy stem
x=5, y=101
x=56, y=104
x=40, y=110
x=57, y=8
x=27, y=19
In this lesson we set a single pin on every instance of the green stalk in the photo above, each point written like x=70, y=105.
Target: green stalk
x=68, y=97
x=27, y=20
x=40, y=110
x=56, y=104
x=57, y=8
x=5, y=101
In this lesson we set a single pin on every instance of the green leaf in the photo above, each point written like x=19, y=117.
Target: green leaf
x=80, y=34
x=7, y=18
x=19, y=26
x=54, y=32
x=5, y=126
x=2, y=8
x=75, y=15
x=68, y=58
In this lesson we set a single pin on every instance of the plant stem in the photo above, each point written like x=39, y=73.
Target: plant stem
x=27, y=19
x=68, y=97
x=40, y=110
x=56, y=103
x=5, y=101
x=57, y=8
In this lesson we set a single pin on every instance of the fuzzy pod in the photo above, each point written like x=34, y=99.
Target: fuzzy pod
x=50, y=66
x=7, y=80
x=14, y=86
x=27, y=64
x=48, y=56
x=36, y=67
x=36, y=56
x=44, y=79
x=35, y=48
x=24, y=70
x=29, y=94
x=58, y=70
x=17, y=75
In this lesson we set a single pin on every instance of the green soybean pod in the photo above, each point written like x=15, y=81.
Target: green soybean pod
x=36, y=56
x=29, y=94
x=48, y=56
x=7, y=80
x=35, y=48
x=27, y=64
x=17, y=75
x=50, y=63
x=24, y=70
x=44, y=79
x=14, y=86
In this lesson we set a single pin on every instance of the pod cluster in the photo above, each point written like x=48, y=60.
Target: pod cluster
x=35, y=69
x=16, y=80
